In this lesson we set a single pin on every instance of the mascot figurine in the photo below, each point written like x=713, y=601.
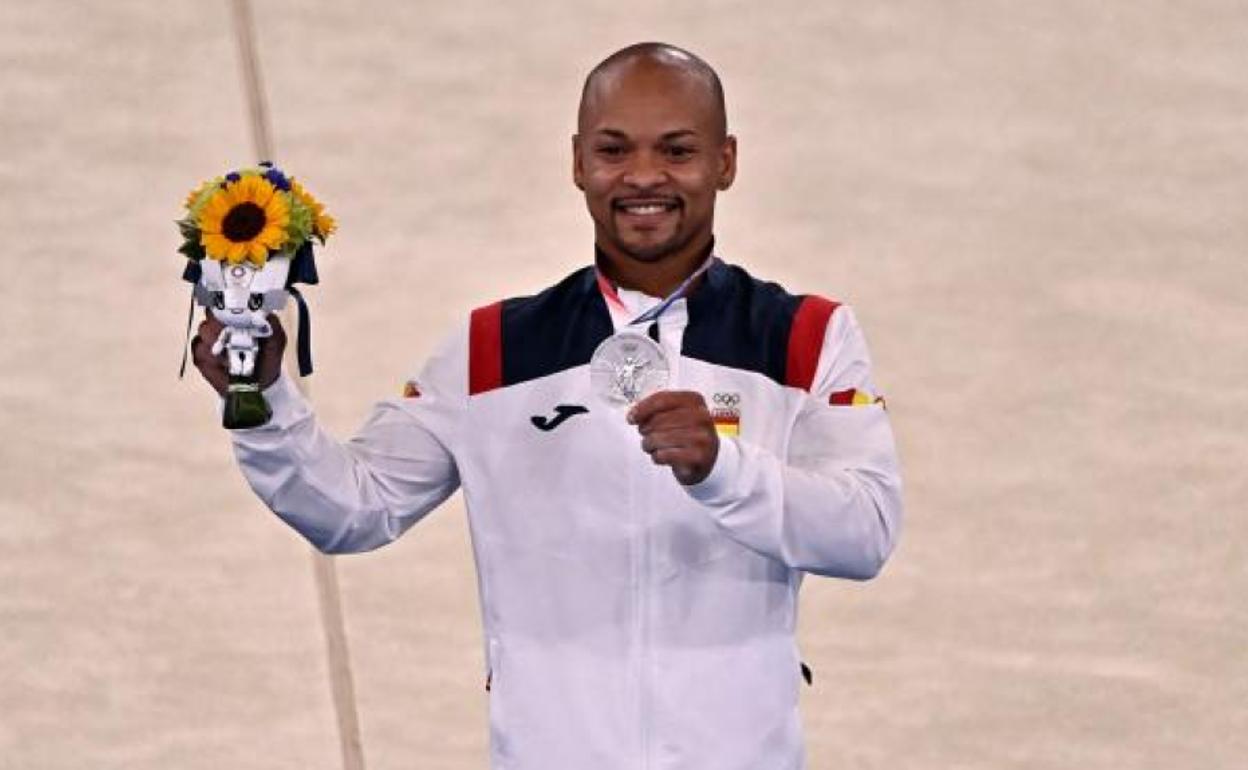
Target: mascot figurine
x=247, y=238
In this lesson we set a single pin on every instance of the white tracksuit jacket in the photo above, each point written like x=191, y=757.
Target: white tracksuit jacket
x=630, y=623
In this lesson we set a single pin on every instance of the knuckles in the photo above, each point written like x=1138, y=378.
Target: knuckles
x=677, y=431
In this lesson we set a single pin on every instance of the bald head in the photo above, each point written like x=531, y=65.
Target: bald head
x=654, y=58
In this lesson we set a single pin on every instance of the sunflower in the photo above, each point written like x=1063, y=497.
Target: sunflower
x=244, y=219
x=323, y=225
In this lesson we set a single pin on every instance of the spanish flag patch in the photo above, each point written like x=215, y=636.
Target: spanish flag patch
x=855, y=397
x=727, y=424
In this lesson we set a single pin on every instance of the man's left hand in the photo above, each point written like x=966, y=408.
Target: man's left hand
x=677, y=431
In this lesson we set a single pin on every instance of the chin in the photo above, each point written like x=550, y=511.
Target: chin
x=651, y=252
x=648, y=253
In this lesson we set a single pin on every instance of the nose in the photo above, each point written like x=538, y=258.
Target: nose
x=646, y=169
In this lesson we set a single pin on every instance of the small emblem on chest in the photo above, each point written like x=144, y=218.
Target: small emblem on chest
x=726, y=413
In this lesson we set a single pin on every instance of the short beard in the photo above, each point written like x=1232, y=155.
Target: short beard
x=655, y=252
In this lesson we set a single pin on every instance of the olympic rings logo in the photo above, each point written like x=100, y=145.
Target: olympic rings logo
x=726, y=400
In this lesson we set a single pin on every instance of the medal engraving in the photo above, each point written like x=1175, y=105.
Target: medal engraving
x=627, y=367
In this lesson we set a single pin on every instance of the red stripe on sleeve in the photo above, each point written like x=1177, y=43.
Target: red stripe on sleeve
x=485, y=349
x=810, y=323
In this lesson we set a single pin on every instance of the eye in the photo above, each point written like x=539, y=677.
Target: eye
x=680, y=152
x=610, y=150
x=218, y=300
x=255, y=301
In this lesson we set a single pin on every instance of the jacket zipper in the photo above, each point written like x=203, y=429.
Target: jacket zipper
x=637, y=506
x=644, y=607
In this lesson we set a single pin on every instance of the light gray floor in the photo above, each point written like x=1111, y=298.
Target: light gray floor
x=1037, y=210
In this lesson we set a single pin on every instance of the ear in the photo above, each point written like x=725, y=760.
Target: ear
x=578, y=171
x=728, y=162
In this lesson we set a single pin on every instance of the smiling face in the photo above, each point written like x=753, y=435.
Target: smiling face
x=650, y=155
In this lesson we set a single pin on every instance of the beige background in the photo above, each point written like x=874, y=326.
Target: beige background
x=1037, y=210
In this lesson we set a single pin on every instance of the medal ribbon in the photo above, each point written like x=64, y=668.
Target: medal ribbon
x=656, y=311
x=618, y=381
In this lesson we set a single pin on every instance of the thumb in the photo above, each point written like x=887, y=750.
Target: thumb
x=279, y=333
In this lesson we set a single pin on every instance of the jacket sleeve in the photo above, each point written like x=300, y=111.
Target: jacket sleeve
x=364, y=493
x=833, y=506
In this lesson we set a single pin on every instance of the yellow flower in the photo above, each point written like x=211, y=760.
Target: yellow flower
x=194, y=195
x=325, y=225
x=244, y=220
x=322, y=224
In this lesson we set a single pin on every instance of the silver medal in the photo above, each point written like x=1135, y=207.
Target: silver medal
x=627, y=367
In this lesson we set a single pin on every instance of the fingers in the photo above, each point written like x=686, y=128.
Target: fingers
x=214, y=367
x=278, y=331
x=689, y=464
x=210, y=323
x=664, y=401
x=673, y=419
x=677, y=431
x=677, y=438
x=210, y=366
x=200, y=342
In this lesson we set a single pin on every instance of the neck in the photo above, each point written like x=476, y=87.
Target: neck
x=656, y=279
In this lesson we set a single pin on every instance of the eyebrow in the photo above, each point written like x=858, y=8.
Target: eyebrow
x=667, y=137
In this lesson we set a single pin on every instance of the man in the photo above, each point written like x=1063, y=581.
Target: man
x=638, y=603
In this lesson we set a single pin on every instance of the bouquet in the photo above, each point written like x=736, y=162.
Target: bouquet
x=248, y=239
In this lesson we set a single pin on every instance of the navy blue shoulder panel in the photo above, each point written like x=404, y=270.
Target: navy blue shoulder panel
x=738, y=321
x=555, y=330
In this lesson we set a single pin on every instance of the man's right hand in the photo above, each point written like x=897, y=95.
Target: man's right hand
x=216, y=370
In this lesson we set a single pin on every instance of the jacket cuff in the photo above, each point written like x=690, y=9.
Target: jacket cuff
x=720, y=485
x=284, y=399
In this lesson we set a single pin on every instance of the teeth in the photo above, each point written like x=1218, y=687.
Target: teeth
x=649, y=208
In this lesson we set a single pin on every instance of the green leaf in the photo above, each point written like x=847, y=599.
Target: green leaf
x=192, y=250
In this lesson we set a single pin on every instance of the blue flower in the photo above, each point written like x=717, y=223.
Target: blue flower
x=278, y=179
x=233, y=176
